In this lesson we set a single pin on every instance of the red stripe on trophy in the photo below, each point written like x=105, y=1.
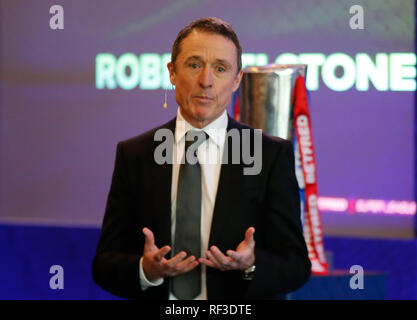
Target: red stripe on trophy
x=313, y=231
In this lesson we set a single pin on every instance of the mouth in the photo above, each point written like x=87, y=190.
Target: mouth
x=203, y=99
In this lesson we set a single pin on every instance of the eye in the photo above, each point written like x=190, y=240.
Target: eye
x=194, y=65
x=221, y=69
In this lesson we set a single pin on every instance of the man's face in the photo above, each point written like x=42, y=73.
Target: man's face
x=205, y=76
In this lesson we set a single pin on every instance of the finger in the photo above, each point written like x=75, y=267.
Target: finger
x=220, y=257
x=175, y=260
x=162, y=253
x=149, y=237
x=220, y=260
x=177, y=267
x=234, y=255
x=249, y=236
x=210, y=257
x=208, y=263
x=219, y=265
x=187, y=265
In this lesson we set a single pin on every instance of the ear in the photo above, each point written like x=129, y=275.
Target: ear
x=237, y=80
x=170, y=67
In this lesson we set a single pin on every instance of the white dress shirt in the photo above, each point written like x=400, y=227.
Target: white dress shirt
x=209, y=156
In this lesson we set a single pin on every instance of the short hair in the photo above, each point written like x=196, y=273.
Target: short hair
x=210, y=25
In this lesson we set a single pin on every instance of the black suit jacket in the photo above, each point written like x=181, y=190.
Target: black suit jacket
x=140, y=196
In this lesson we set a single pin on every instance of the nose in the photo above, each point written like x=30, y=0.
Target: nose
x=206, y=78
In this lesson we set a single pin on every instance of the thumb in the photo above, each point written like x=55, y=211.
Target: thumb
x=249, y=236
x=149, y=238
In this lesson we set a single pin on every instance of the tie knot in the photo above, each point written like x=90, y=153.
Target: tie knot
x=195, y=138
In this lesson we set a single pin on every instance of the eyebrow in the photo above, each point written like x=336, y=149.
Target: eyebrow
x=199, y=58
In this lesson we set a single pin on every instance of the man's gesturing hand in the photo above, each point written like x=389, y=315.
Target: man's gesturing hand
x=240, y=259
x=155, y=265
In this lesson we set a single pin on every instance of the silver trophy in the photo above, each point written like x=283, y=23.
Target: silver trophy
x=266, y=98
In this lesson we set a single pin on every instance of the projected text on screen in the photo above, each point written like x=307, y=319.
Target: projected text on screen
x=337, y=71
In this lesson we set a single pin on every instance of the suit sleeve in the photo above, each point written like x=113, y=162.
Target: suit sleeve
x=282, y=263
x=116, y=264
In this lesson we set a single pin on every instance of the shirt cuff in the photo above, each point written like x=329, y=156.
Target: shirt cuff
x=145, y=283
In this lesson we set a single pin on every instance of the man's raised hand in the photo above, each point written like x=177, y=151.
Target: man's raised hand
x=240, y=259
x=156, y=266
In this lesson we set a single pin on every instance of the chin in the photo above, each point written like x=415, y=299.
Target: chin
x=202, y=113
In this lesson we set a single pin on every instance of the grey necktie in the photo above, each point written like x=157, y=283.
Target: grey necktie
x=188, y=216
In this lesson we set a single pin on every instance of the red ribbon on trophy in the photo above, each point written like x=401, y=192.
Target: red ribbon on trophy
x=313, y=232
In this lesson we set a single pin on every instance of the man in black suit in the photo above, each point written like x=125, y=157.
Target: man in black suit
x=137, y=255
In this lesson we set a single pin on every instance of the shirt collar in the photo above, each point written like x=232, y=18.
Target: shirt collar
x=215, y=129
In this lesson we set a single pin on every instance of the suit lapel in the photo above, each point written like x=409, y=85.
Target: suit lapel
x=161, y=186
x=230, y=177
